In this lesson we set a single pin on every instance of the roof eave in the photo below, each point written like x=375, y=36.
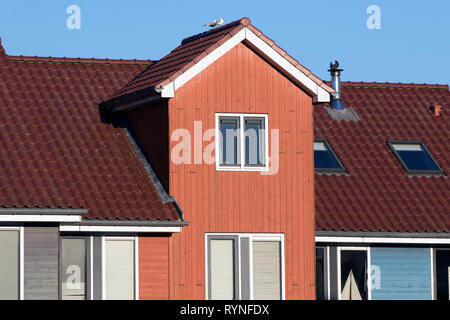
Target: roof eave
x=133, y=100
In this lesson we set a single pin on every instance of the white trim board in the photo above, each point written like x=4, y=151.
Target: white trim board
x=324, y=239
x=131, y=229
x=245, y=34
x=39, y=218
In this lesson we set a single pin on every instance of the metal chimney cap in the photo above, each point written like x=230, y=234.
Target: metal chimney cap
x=335, y=66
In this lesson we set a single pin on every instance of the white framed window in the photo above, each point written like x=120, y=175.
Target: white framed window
x=244, y=266
x=120, y=268
x=353, y=265
x=241, y=142
x=75, y=268
x=11, y=263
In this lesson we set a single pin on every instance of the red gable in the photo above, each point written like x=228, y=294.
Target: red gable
x=56, y=152
x=192, y=50
x=377, y=194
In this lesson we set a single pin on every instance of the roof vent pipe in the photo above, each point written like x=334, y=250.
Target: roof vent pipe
x=336, y=101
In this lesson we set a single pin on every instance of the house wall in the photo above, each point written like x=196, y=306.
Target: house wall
x=153, y=267
x=231, y=202
x=151, y=126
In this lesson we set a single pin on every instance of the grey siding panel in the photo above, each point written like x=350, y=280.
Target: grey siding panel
x=97, y=266
x=245, y=269
x=41, y=244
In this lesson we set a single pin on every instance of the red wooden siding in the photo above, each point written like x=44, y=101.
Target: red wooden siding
x=218, y=201
x=153, y=268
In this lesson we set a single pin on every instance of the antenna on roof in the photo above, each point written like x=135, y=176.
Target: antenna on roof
x=214, y=23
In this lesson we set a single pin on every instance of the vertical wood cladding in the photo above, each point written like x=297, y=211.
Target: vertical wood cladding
x=154, y=267
x=41, y=262
x=222, y=201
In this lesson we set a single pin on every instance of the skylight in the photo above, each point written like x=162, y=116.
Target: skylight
x=415, y=157
x=325, y=159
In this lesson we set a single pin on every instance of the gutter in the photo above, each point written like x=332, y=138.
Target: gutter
x=131, y=101
x=41, y=215
x=125, y=226
x=405, y=238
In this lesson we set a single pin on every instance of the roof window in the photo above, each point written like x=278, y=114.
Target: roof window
x=414, y=157
x=325, y=159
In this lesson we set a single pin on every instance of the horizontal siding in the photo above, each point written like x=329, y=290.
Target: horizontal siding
x=405, y=273
x=41, y=263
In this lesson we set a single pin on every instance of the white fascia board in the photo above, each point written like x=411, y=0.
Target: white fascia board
x=132, y=229
x=245, y=34
x=168, y=91
x=209, y=59
x=383, y=240
x=322, y=94
x=39, y=218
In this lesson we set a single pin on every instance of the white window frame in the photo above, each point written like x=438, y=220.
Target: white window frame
x=326, y=265
x=434, y=270
x=241, y=166
x=136, y=263
x=21, y=258
x=369, y=280
x=252, y=237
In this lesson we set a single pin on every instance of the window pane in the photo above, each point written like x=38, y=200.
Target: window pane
x=324, y=158
x=222, y=270
x=73, y=273
x=353, y=275
x=266, y=270
x=9, y=265
x=229, y=141
x=254, y=142
x=443, y=274
x=400, y=273
x=415, y=157
x=120, y=278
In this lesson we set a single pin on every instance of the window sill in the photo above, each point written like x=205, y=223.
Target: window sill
x=231, y=168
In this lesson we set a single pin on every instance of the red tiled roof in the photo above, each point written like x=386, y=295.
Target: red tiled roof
x=54, y=149
x=195, y=48
x=378, y=195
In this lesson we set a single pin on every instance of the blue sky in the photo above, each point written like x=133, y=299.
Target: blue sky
x=413, y=44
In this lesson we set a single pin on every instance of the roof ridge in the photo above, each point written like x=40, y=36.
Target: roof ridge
x=244, y=21
x=78, y=60
x=394, y=84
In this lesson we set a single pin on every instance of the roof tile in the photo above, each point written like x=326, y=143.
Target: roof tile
x=378, y=195
x=54, y=150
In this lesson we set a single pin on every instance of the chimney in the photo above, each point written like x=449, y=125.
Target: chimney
x=436, y=109
x=336, y=101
